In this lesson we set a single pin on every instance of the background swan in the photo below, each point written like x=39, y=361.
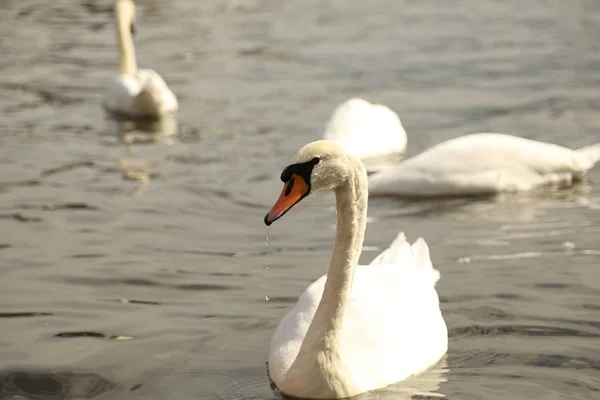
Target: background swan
x=484, y=163
x=358, y=328
x=135, y=93
x=365, y=129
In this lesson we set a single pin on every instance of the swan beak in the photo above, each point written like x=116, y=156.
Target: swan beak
x=293, y=191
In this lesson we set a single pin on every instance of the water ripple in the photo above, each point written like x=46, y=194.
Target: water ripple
x=51, y=385
x=92, y=281
x=520, y=330
x=92, y=334
x=24, y=314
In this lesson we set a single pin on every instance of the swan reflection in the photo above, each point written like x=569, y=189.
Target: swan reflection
x=145, y=131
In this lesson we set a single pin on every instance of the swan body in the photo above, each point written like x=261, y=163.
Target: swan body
x=137, y=93
x=144, y=95
x=366, y=130
x=484, y=163
x=357, y=328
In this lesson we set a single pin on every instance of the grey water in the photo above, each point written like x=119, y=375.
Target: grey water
x=133, y=265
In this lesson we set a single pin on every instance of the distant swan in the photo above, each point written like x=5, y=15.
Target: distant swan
x=358, y=328
x=484, y=163
x=366, y=130
x=135, y=93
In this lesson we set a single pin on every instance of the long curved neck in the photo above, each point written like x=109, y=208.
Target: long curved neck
x=128, y=64
x=324, y=332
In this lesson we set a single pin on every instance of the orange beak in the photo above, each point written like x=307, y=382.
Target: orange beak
x=293, y=191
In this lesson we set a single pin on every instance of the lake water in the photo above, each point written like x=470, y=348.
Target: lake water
x=164, y=288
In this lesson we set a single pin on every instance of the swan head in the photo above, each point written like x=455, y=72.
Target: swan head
x=319, y=166
x=125, y=11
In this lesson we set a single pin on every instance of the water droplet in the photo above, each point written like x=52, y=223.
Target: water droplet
x=268, y=254
x=267, y=298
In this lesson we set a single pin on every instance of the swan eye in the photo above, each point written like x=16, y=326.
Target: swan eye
x=289, y=187
x=285, y=175
x=302, y=169
x=132, y=28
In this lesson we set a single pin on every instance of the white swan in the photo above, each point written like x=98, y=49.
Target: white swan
x=358, y=328
x=366, y=130
x=484, y=163
x=135, y=93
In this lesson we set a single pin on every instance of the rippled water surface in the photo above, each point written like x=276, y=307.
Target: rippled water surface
x=164, y=288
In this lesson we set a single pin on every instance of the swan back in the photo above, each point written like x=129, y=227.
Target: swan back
x=483, y=163
x=365, y=129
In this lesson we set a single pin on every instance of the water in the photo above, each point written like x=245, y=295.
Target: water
x=134, y=266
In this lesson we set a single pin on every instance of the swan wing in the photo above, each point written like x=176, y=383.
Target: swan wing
x=484, y=163
x=393, y=326
x=120, y=93
x=291, y=330
x=155, y=96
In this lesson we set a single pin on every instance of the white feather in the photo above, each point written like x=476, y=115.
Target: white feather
x=484, y=163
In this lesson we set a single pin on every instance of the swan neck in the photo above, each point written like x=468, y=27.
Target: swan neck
x=351, y=202
x=127, y=61
x=349, y=237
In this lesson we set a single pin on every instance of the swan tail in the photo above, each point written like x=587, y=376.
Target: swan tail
x=420, y=252
x=393, y=254
x=591, y=152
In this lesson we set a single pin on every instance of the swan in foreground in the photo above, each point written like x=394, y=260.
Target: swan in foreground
x=358, y=328
x=366, y=130
x=484, y=163
x=135, y=93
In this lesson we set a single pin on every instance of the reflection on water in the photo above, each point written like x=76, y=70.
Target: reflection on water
x=136, y=132
x=145, y=131
x=526, y=206
x=179, y=268
x=424, y=386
